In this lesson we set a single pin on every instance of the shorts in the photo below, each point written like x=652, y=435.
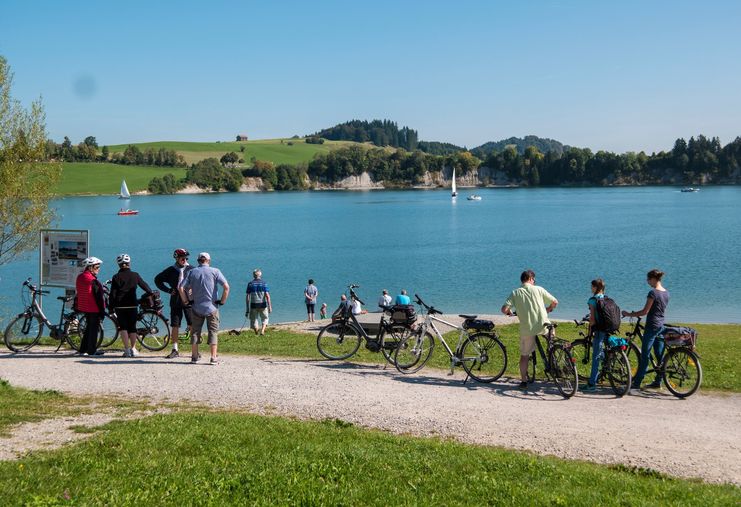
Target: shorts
x=261, y=313
x=310, y=307
x=212, y=325
x=527, y=345
x=176, y=316
x=126, y=318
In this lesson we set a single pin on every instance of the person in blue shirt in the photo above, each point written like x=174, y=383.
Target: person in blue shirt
x=598, y=336
x=403, y=298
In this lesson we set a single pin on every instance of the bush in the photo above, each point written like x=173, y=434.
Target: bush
x=209, y=173
x=314, y=140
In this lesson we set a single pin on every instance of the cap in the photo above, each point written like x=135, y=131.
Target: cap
x=204, y=255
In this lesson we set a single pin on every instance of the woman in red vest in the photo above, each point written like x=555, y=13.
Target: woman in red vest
x=90, y=301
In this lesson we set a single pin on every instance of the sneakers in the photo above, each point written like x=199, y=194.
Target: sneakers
x=126, y=354
x=656, y=384
x=214, y=361
x=194, y=360
x=173, y=354
x=522, y=386
x=134, y=353
x=588, y=388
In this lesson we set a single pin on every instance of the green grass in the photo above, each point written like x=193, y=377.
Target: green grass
x=23, y=405
x=231, y=458
x=105, y=178
x=717, y=345
x=274, y=150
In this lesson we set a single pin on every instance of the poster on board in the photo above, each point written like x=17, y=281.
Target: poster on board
x=60, y=254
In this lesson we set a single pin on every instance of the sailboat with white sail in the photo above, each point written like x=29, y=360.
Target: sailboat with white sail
x=454, y=193
x=124, y=191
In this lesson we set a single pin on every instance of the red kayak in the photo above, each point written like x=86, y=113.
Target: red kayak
x=128, y=212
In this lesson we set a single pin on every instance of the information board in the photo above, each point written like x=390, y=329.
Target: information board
x=60, y=254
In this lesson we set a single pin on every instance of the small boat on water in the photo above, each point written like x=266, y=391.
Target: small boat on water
x=123, y=212
x=690, y=189
x=124, y=194
x=453, y=192
x=474, y=197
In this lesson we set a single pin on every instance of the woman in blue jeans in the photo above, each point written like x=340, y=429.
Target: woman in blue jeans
x=599, y=337
x=656, y=302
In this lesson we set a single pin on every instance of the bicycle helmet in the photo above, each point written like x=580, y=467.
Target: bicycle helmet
x=123, y=259
x=180, y=252
x=91, y=261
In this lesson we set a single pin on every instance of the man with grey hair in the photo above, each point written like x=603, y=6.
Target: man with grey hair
x=203, y=281
x=258, y=303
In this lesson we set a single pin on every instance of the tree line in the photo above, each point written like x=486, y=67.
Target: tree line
x=87, y=151
x=377, y=132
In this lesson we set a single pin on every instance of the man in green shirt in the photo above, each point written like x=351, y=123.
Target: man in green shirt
x=532, y=304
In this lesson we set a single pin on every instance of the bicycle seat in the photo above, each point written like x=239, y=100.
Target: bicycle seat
x=467, y=317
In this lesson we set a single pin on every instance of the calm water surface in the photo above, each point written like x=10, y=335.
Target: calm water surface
x=462, y=257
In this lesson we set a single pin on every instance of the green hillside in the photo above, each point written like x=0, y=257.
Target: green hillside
x=278, y=151
x=102, y=178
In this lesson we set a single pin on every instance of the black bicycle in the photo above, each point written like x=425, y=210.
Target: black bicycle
x=559, y=365
x=25, y=330
x=614, y=368
x=341, y=338
x=679, y=368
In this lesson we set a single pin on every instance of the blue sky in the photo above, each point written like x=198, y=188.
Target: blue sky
x=620, y=76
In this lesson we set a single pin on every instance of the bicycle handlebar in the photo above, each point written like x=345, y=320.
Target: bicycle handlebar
x=430, y=309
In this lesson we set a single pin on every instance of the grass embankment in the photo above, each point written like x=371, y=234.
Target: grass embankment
x=277, y=151
x=717, y=345
x=105, y=178
x=232, y=458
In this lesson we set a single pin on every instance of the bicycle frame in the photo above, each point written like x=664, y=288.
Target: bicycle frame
x=429, y=323
x=56, y=331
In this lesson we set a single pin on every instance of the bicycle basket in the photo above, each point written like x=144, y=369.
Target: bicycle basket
x=680, y=336
x=403, y=314
x=151, y=301
x=478, y=324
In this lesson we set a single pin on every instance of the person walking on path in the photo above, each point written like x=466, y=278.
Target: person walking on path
x=403, y=298
x=168, y=281
x=91, y=302
x=203, y=282
x=532, y=304
x=259, y=305
x=598, y=335
x=656, y=302
x=385, y=300
x=310, y=295
x=124, y=302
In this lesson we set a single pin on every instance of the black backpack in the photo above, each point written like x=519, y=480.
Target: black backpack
x=608, y=315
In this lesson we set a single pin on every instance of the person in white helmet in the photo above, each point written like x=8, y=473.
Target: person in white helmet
x=124, y=302
x=91, y=302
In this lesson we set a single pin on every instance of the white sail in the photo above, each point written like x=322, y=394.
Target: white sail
x=453, y=191
x=124, y=191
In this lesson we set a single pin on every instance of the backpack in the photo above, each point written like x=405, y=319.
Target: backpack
x=403, y=314
x=608, y=315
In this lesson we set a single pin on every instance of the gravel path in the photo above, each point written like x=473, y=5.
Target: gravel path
x=697, y=437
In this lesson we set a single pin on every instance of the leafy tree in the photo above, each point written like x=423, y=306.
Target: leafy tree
x=229, y=159
x=90, y=141
x=209, y=173
x=26, y=179
x=105, y=153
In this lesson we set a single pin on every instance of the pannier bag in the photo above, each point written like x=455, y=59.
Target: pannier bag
x=151, y=301
x=403, y=314
x=680, y=336
x=478, y=324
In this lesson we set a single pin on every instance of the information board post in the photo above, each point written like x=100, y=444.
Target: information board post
x=60, y=254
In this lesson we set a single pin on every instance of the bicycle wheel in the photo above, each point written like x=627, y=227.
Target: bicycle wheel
x=682, y=372
x=338, y=340
x=562, y=371
x=23, y=332
x=484, y=357
x=634, y=357
x=413, y=352
x=152, y=330
x=110, y=332
x=582, y=357
x=75, y=333
x=616, y=368
x=390, y=340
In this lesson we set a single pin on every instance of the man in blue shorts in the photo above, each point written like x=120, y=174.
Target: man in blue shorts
x=258, y=302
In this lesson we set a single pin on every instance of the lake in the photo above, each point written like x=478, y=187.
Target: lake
x=463, y=256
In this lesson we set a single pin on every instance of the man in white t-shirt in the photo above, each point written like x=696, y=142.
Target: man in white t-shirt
x=385, y=299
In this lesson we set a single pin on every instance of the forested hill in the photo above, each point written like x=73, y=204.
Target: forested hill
x=378, y=132
x=543, y=145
